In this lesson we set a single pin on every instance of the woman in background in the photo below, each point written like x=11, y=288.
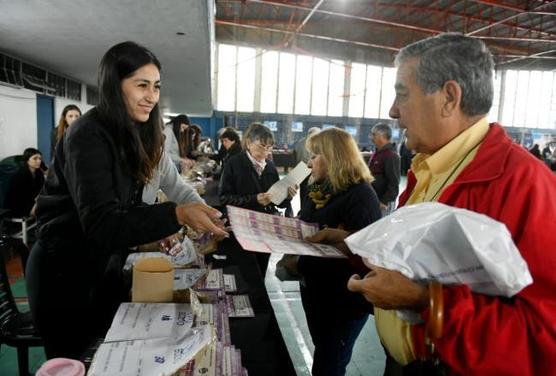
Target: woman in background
x=26, y=184
x=247, y=177
x=176, y=142
x=70, y=113
x=90, y=212
x=340, y=196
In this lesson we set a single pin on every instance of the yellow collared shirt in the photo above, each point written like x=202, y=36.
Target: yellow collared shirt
x=433, y=174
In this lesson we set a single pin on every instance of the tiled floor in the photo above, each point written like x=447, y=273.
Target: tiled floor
x=368, y=356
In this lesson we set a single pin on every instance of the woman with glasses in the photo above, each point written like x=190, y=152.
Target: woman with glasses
x=248, y=175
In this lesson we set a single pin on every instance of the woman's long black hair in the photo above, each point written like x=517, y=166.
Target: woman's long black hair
x=141, y=143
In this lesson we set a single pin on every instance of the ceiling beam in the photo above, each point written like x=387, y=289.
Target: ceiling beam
x=321, y=37
x=520, y=12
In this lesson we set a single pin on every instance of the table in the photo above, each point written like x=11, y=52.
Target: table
x=263, y=350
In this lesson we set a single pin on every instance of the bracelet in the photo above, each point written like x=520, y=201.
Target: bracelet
x=436, y=310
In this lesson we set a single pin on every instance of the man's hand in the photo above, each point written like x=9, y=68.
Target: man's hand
x=263, y=198
x=388, y=289
x=332, y=236
x=201, y=218
x=383, y=206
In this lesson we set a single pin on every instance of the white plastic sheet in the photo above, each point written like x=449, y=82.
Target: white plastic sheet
x=433, y=241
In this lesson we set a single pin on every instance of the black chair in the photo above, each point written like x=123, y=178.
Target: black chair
x=15, y=227
x=16, y=328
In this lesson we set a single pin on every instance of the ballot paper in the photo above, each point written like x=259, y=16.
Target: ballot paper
x=239, y=306
x=433, y=241
x=230, y=284
x=267, y=233
x=279, y=190
x=152, y=357
x=187, y=278
x=140, y=321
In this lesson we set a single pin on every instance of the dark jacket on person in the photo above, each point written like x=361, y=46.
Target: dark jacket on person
x=326, y=278
x=240, y=184
x=234, y=150
x=24, y=189
x=89, y=215
x=385, y=168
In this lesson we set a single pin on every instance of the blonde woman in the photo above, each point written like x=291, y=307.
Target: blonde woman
x=340, y=196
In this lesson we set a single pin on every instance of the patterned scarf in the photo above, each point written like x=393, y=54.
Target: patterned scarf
x=321, y=193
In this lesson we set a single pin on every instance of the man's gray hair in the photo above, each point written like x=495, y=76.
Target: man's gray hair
x=384, y=129
x=454, y=56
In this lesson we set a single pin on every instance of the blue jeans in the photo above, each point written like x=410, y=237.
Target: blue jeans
x=333, y=336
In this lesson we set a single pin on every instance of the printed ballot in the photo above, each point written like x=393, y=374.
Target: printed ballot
x=260, y=232
x=279, y=191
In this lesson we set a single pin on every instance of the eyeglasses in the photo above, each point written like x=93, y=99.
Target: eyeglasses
x=267, y=148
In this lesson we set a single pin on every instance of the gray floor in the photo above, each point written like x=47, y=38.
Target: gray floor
x=368, y=356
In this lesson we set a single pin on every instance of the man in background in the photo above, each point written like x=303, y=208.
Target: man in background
x=385, y=167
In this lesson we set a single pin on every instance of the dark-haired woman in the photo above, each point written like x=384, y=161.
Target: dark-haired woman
x=70, y=113
x=25, y=184
x=90, y=211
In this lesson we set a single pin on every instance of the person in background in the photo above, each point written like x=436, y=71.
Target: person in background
x=25, y=185
x=205, y=147
x=444, y=91
x=385, y=167
x=340, y=196
x=70, y=113
x=302, y=155
x=176, y=141
x=536, y=151
x=248, y=176
x=231, y=144
x=90, y=211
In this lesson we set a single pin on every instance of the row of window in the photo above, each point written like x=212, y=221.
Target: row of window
x=254, y=80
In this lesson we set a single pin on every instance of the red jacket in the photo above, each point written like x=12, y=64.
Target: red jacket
x=485, y=335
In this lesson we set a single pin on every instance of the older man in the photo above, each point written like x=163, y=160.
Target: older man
x=443, y=93
x=385, y=167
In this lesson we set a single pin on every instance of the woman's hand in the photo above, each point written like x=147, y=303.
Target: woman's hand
x=389, y=289
x=292, y=191
x=332, y=236
x=263, y=198
x=201, y=218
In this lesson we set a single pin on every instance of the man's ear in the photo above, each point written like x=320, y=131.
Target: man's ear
x=451, y=98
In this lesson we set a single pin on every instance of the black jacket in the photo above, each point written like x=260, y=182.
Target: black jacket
x=325, y=278
x=24, y=188
x=89, y=212
x=240, y=184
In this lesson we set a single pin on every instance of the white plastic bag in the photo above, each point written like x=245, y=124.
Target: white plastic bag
x=433, y=241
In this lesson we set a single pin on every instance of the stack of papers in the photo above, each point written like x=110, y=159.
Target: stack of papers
x=260, y=232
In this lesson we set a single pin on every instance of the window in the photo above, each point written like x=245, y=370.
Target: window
x=303, y=85
x=269, y=81
x=297, y=126
x=272, y=125
x=286, y=83
x=336, y=88
x=357, y=90
x=225, y=100
x=320, y=87
x=388, y=93
x=372, y=92
x=245, y=79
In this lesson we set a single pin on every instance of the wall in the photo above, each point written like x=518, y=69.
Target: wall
x=60, y=103
x=18, y=120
